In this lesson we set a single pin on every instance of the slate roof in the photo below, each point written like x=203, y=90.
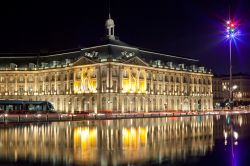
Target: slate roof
x=106, y=48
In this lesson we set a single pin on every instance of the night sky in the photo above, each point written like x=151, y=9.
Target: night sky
x=189, y=28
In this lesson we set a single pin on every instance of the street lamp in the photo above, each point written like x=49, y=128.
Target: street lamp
x=230, y=35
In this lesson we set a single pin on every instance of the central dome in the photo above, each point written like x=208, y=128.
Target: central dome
x=109, y=23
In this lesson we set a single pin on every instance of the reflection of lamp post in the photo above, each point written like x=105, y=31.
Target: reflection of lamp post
x=233, y=138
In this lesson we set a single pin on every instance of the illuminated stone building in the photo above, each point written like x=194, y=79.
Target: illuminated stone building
x=109, y=76
x=241, y=93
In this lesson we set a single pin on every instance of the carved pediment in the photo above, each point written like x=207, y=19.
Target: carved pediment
x=83, y=61
x=135, y=61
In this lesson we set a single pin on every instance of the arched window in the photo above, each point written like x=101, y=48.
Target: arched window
x=172, y=104
x=114, y=104
x=93, y=103
x=160, y=104
x=125, y=104
x=177, y=79
x=104, y=102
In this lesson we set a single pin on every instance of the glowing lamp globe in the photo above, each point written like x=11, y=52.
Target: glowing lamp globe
x=231, y=30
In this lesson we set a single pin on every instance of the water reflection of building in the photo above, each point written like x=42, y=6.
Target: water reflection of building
x=36, y=142
x=223, y=124
x=109, y=75
x=109, y=142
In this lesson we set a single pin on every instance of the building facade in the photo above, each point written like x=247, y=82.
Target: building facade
x=241, y=90
x=218, y=95
x=109, y=76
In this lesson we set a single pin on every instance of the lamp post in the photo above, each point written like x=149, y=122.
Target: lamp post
x=230, y=35
x=231, y=90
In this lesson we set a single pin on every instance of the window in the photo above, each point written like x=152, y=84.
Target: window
x=125, y=73
x=21, y=89
x=78, y=76
x=112, y=31
x=71, y=87
x=58, y=77
x=171, y=79
x=41, y=88
x=40, y=79
x=1, y=107
x=58, y=87
x=172, y=88
x=194, y=81
x=71, y=76
x=30, y=79
x=21, y=79
x=184, y=80
x=9, y=107
x=53, y=78
x=2, y=79
x=52, y=87
x=114, y=73
x=47, y=88
x=148, y=86
x=2, y=88
x=11, y=79
x=114, y=86
x=166, y=78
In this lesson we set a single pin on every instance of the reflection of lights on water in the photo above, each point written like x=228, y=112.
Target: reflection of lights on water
x=146, y=139
x=236, y=143
x=217, y=117
x=240, y=120
x=225, y=142
x=85, y=137
x=225, y=135
x=236, y=135
x=134, y=136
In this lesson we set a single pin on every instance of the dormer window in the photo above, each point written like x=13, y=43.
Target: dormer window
x=13, y=66
x=32, y=65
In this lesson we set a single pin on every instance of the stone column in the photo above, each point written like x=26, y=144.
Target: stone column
x=74, y=79
x=6, y=83
x=44, y=76
x=129, y=78
x=67, y=91
x=35, y=82
x=137, y=80
x=25, y=84
x=55, y=87
x=111, y=78
x=108, y=80
x=145, y=81
x=16, y=83
x=151, y=83
x=157, y=84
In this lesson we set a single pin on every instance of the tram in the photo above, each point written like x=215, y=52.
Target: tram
x=22, y=106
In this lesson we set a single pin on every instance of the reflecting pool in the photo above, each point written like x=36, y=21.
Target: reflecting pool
x=197, y=140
